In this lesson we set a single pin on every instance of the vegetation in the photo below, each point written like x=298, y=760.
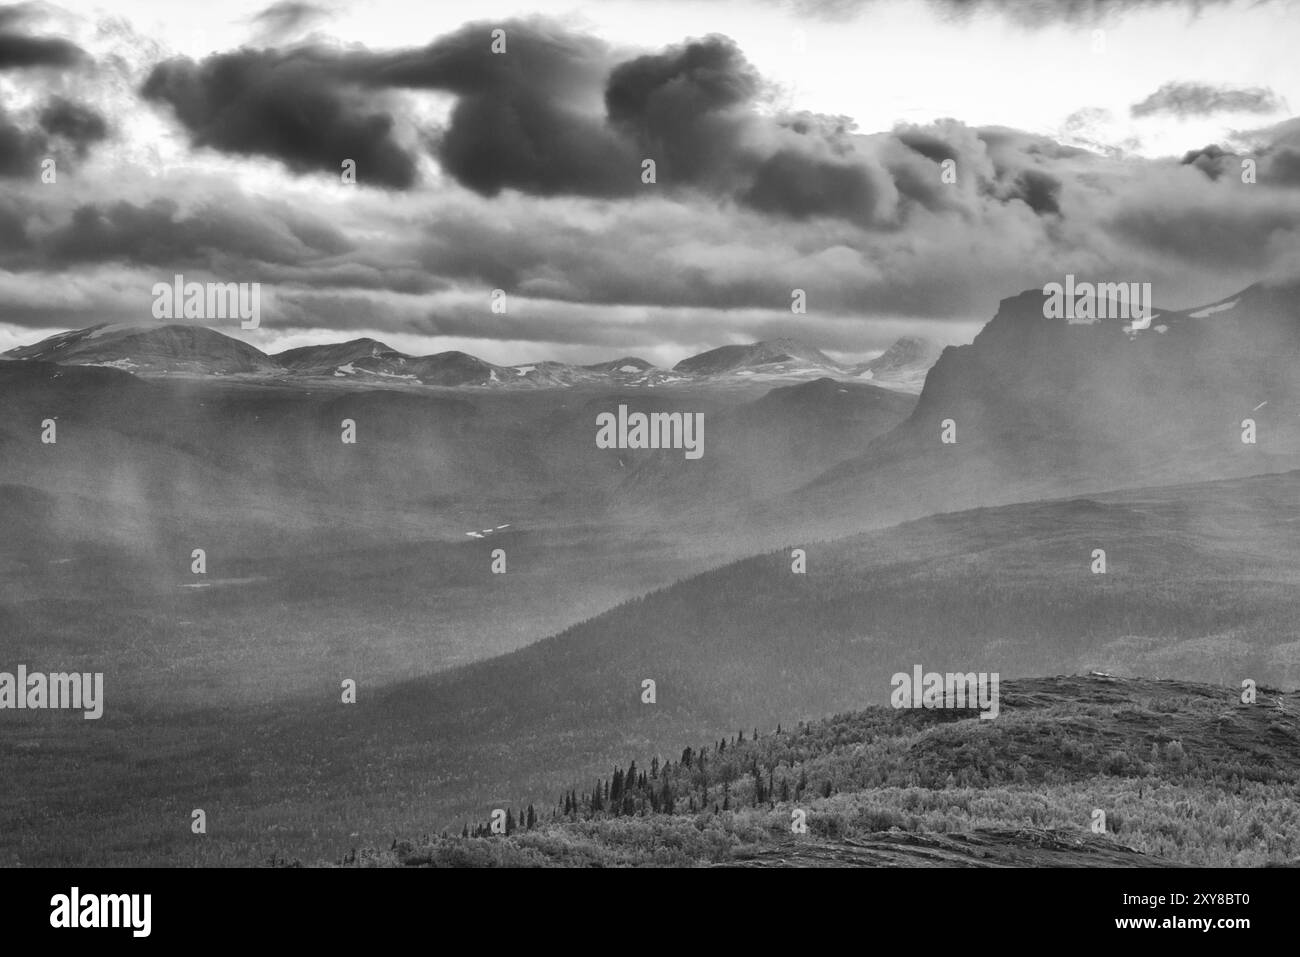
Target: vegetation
x=1183, y=772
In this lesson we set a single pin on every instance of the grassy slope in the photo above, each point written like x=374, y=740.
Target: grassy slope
x=1185, y=773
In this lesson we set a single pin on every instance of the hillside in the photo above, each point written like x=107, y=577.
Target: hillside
x=774, y=355
x=771, y=445
x=193, y=349
x=1037, y=408
x=1185, y=774
x=904, y=365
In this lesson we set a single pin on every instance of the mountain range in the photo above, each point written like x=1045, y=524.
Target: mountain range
x=197, y=350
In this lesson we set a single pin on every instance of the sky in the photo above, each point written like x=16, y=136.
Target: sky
x=905, y=163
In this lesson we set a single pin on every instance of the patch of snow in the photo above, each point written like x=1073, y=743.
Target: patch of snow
x=1210, y=310
x=744, y=372
x=473, y=534
x=524, y=370
x=628, y=369
x=1162, y=328
x=116, y=364
x=506, y=525
x=348, y=369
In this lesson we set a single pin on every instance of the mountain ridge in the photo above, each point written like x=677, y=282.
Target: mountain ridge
x=179, y=348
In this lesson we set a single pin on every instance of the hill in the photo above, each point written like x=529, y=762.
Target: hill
x=770, y=445
x=1183, y=774
x=171, y=348
x=773, y=356
x=903, y=365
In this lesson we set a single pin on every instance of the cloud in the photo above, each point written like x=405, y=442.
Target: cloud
x=20, y=50
x=60, y=123
x=76, y=123
x=541, y=149
x=286, y=19
x=20, y=150
x=1275, y=151
x=233, y=237
x=560, y=114
x=1029, y=13
x=1200, y=99
x=282, y=105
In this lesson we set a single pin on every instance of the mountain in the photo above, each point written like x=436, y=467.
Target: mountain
x=933, y=788
x=774, y=357
x=903, y=365
x=154, y=349
x=170, y=348
x=326, y=359
x=770, y=445
x=1044, y=407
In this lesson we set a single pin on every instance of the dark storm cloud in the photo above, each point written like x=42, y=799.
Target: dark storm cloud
x=1276, y=155
x=793, y=184
x=687, y=106
x=1040, y=190
x=158, y=234
x=1212, y=160
x=1201, y=99
x=21, y=150
x=78, y=124
x=554, y=115
x=18, y=51
x=282, y=105
x=519, y=120
x=528, y=119
x=60, y=123
x=1227, y=234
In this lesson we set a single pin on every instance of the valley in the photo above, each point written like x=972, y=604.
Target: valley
x=374, y=562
